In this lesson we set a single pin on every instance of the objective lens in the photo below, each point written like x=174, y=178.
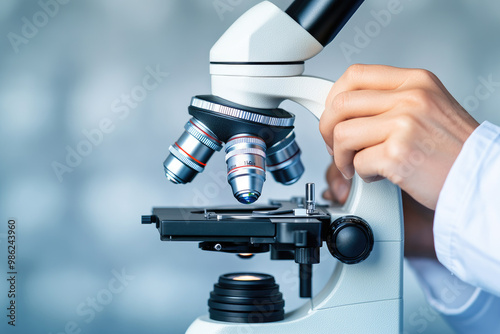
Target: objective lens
x=190, y=154
x=246, y=173
x=283, y=161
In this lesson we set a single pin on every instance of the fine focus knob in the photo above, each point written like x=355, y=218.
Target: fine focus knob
x=350, y=239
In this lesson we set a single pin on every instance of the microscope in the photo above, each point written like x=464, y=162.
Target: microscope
x=256, y=65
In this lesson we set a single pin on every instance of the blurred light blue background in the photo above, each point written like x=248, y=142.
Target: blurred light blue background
x=74, y=235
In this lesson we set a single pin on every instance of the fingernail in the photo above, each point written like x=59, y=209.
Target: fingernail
x=342, y=190
x=349, y=173
x=329, y=149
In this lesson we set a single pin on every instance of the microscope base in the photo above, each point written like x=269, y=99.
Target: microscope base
x=374, y=317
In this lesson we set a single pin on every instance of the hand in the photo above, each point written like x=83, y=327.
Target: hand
x=400, y=124
x=418, y=220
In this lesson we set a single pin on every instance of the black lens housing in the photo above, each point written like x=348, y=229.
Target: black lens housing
x=323, y=19
x=246, y=298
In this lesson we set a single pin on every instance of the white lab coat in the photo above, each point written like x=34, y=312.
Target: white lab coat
x=467, y=239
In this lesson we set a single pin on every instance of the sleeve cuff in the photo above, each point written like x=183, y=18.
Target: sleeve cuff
x=465, y=308
x=444, y=291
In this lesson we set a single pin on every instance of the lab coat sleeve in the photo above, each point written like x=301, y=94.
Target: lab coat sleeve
x=467, y=217
x=466, y=309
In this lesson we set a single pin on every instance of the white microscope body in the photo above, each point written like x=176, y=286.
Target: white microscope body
x=258, y=62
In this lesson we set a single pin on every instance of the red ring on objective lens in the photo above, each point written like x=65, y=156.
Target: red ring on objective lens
x=189, y=155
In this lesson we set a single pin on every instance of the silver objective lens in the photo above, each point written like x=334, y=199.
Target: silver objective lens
x=190, y=154
x=283, y=161
x=246, y=173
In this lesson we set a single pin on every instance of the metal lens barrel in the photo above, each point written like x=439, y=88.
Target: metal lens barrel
x=283, y=161
x=246, y=173
x=190, y=154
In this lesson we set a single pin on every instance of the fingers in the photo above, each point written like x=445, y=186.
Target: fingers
x=399, y=124
x=338, y=186
x=356, y=134
x=357, y=104
x=376, y=77
x=341, y=189
x=370, y=164
x=327, y=194
x=367, y=90
x=353, y=104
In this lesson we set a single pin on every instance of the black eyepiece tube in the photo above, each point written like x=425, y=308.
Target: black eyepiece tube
x=323, y=19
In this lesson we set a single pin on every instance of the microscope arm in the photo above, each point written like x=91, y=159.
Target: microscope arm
x=269, y=92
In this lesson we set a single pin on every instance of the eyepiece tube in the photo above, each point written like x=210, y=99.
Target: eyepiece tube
x=323, y=19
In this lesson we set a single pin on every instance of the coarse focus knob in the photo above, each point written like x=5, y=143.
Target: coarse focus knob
x=350, y=239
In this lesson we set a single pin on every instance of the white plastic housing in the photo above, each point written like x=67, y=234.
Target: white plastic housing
x=265, y=34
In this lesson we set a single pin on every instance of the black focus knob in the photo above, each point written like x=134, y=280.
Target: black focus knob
x=147, y=219
x=350, y=239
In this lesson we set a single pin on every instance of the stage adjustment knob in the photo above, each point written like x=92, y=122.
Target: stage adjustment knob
x=350, y=239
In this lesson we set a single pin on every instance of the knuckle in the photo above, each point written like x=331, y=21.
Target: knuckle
x=396, y=152
x=417, y=95
x=339, y=133
x=340, y=101
x=421, y=98
x=405, y=122
x=355, y=71
x=424, y=76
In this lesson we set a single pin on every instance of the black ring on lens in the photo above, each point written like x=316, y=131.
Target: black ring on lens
x=246, y=298
x=246, y=293
x=253, y=317
x=235, y=300
x=269, y=307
